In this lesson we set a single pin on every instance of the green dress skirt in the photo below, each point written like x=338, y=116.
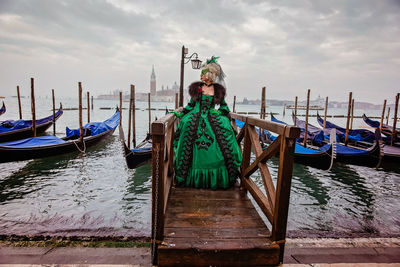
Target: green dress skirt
x=207, y=154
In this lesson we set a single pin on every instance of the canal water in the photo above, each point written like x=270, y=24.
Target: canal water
x=95, y=194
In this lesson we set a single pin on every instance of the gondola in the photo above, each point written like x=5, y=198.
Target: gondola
x=3, y=109
x=355, y=135
x=321, y=158
x=45, y=146
x=385, y=130
x=364, y=156
x=139, y=155
x=390, y=155
x=19, y=129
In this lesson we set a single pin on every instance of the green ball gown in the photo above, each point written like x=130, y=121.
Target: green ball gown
x=207, y=154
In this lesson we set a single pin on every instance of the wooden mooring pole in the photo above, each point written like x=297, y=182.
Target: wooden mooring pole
x=148, y=100
x=262, y=112
x=92, y=102
x=326, y=111
x=352, y=113
x=130, y=119
x=54, y=112
x=80, y=113
x=234, y=104
x=383, y=115
x=295, y=110
x=306, y=126
x=88, y=107
x=133, y=116
x=396, y=106
x=33, y=107
x=388, y=116
x=176, y=101
x=346, y=140
x=120, y=108
x=19, y=103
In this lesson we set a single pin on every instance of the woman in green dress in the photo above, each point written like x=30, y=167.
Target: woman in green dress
x=207, y=154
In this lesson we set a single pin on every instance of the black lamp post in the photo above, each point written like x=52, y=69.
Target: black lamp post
x=196, y=64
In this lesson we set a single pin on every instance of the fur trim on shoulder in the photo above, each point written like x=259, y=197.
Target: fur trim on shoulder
x=194, y=90
x=219, y=91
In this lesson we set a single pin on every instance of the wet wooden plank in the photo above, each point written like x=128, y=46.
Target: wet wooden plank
x=215, y=233
x=193, y=257
x=222, y=227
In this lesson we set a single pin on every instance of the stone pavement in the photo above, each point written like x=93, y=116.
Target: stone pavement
x=311, y=252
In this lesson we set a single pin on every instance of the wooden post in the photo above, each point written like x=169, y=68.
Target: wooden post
x=284, y=110
x=33, y=107
x=133, y=116
x=19, y=103
x=88, y=107
x=326, y=111
x=383, y=115
x=352, y=113
x=387, y=117
x=346, y=140
x=54, y=112
x=176, y=100
x=396, y=106
x=92, y=102
x=130, y=119
x=262, y=112
x=80, y=114
x=182, y=78
x=306, y=126
x=282, y=197
x=234, y=104
x=295, y=110
x=148, y=100
x=120, y=108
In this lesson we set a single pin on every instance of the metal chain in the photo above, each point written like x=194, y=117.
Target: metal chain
x=155, y=207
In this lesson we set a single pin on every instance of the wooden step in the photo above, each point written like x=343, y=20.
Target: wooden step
x=218, y=228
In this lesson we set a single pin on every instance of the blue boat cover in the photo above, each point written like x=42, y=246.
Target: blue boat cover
x=12, y=125
x=3, y=109
x=344, y=150
x=305, y=150
x=240, y=124
x=142, y=149
x=34, y=142
x=354, y=134
x=372, y=123
x=298, y=148
x=95, y=128
x=313, y=133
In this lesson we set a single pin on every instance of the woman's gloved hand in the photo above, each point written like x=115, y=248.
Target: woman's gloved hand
x=214, y=111
x=177, y=114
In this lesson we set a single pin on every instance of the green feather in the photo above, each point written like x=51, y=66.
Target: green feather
x=212, y=60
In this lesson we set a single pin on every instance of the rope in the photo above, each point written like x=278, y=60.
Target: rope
x=84, y=146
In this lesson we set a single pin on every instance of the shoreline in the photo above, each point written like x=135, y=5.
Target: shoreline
x=298, y=252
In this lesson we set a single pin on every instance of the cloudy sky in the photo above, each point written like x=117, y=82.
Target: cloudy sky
x=331, y=47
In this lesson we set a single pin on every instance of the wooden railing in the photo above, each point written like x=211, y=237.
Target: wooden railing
x=274, y=203
x=162, y=131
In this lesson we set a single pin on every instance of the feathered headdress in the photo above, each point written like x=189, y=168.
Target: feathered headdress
x=213, y=71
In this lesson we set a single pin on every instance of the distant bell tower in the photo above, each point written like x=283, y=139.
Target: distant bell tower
x=153, y=82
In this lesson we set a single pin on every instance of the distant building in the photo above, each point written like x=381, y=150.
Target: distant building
x=153, y=83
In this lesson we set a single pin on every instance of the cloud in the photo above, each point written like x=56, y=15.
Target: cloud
x=330, y=47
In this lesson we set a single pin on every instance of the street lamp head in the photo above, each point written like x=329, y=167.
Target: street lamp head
x=196, y=63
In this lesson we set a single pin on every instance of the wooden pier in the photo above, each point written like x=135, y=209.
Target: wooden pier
x=199, y=227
